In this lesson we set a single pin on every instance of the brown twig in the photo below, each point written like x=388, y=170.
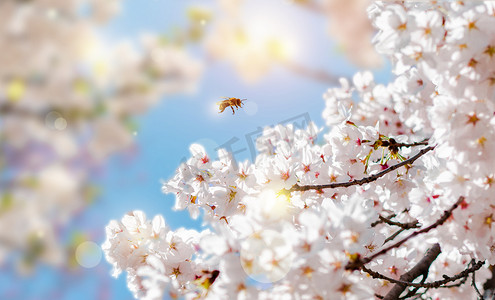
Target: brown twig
x=358, y=263
x=380, y=220
x=409, y=225
x=422, y=143
x=393, y=236
x=7, y=109
x=407, y=280
x=362, y=181
x=318, y=75
x=391, y=143
x=473, y=283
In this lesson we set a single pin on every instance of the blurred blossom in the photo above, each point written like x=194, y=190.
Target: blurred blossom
x=350, y=27
x=265, y=256
x=254, y=38
x=234, y=45
x=68, y=99
x=252, y=43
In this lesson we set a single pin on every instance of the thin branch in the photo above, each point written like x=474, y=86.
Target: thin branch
x=409, y=225
x=318, y=75
x=391, y=143
x=473, y=284
x=434, y=284
x=357, y=264
x=418, y=296
x=422, y=143
x=380, y=220
x=461, y=282
x=393, y=236
x=362, y=181
x=7, y=109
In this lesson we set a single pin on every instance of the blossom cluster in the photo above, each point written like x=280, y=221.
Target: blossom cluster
x=67, y=101
x=351, y=28
x=280, y=230
x=444, y=90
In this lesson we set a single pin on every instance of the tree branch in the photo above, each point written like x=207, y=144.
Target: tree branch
x=473, y=283
x=409, y=225
x=318, y=75
x=422, y=143
x=391, y=143
x=422, y=269
x=489, y=285
x=380, y=220
x=362, y=181
x=393, y=236
x=358, y=263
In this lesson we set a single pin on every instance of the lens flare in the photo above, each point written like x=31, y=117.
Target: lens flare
x=88, y=254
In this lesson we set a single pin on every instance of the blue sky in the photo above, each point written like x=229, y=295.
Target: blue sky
x=131, y=182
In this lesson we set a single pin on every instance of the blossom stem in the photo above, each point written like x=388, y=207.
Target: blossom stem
x=422, y=269
x=362, y=181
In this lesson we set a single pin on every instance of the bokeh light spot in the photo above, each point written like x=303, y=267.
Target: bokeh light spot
x=54, y=120
x=250, y=107
x=88, y=254
x=60, y=123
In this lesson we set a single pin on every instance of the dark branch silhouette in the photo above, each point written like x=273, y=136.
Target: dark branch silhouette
x=422, y=269
x=359, y=262
x=362, y=181
x=473, y=283
x=394, y=235
x=409, y=225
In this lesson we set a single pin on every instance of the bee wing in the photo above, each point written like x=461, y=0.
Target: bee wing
x=223, y=101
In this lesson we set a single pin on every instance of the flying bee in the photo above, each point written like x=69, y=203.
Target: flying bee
x=232, y=102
